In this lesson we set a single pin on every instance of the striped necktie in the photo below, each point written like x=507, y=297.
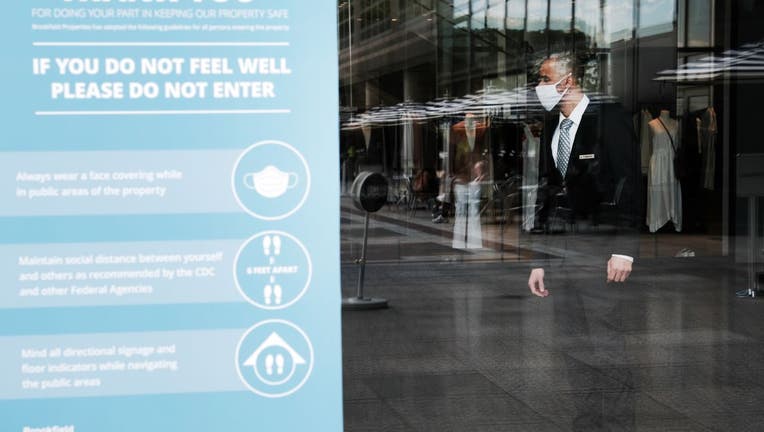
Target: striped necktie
x=563, y=147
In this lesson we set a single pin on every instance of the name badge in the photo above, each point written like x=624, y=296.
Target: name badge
x=586, y=156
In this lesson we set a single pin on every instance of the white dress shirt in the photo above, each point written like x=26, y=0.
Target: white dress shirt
x=575, y=117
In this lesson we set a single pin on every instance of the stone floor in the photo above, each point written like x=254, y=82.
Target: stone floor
x=465, y=347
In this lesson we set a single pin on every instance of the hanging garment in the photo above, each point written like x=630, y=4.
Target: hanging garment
x=470, y=128
x=462, y=155
x=366, y=130
x=530, y=177
x=467, y=231
x=664, y=194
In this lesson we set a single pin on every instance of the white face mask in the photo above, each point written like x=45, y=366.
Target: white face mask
x=548, y=95
x=270, y=182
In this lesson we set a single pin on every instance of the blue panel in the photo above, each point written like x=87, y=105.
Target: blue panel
x=158, y=163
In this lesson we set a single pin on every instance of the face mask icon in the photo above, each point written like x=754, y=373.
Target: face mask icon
x=270, y=182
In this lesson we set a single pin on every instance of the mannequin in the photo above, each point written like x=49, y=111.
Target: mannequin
x=664, y=194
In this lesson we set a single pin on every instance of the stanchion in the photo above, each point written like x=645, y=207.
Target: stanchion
x=369, y=192
x=359, y=301
x=753, y=250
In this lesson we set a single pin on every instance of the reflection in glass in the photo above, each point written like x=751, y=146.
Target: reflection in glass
x=656, y=17
x=455, y=100
x=461, y=13
x=537, y=13
x=516, y=14
x=588, y=20
x=495, y=14
x=698, y=23
x=478, y=13
x=406, y=85
x=536, y=25
x=681, y=24
x=559, y=15
x=619, y=20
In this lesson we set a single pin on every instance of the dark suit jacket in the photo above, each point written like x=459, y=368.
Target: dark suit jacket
x=602, y=183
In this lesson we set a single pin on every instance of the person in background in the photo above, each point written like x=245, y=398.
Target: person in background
x=469, y=198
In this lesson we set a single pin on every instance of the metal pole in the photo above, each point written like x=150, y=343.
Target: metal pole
x=359, y=302
x=362, y=260
x=753, y=250
x=753, y=282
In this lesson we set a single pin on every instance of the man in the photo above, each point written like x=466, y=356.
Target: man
x=588, y=173
x=587, y=163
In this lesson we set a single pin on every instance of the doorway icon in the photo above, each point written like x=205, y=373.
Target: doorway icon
x=274, y=361
x=274, y=358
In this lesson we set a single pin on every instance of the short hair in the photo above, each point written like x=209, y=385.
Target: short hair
x=567, y=63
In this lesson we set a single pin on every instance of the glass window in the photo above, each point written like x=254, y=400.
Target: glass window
x=699, y=23
x=560, y=15
x=656, y=17
x=479, y=13
x=537, y=14
x=461, y=10
x=496, y=14
x=480, y=171
x=516, y=14
x=681, y=24
x=619, y=20
x=457, y=94
x=536, y=35
x=588, y=21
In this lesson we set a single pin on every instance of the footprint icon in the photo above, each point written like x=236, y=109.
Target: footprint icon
x=267, y=245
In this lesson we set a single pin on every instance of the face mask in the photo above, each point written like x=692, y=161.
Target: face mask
x=271, y=182
x=548, y=95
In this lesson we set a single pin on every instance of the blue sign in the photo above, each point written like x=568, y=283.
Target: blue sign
x=169, y=208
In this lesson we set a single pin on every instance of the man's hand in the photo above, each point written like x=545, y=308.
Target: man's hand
x=536, y=282
x=618, y=269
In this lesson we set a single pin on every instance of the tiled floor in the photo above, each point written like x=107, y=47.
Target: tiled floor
x=465, y=347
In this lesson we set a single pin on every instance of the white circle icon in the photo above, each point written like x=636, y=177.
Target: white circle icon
x=271, y=180
x=274, y=358
x=272, y=270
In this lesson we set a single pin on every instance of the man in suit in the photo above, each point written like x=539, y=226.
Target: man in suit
x=588, y=165
x=588, y=173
